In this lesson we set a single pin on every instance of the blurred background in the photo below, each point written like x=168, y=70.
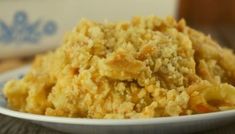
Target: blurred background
x=214, y=17
x=30, y=27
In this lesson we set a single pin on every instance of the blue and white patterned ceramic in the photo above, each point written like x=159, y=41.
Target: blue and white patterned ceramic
x=23, y=31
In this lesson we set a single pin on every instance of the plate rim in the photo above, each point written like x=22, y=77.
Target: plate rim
x=105, y=122
x=116, y=122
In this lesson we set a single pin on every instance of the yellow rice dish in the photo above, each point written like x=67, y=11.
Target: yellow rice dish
x=143, y=68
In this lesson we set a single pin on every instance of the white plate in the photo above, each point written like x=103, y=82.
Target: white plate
x=166, y=125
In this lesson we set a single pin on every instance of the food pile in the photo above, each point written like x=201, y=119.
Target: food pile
x=143, y=68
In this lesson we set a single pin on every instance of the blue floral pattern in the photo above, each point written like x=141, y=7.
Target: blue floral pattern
x=21, y=31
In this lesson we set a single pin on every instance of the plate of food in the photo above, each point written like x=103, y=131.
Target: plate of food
x=146, y=75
